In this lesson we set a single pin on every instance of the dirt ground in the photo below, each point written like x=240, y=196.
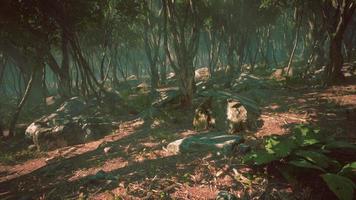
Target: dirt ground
x=136, y=164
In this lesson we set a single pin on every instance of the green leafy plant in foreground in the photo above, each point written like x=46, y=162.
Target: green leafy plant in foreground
x=307, y=149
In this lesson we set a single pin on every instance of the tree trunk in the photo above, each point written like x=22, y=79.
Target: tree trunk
x=336, y=60
x=187, y=86
x=163, y=72
x=64, y=84
x=21, y=104
x=298, y=20
x=154, y=76
x=337, y=18
x=230, y=71
x=290, y=62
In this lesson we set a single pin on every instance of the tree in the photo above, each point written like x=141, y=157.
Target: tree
x=153, y=28
x=184, y=24
x=336, y=14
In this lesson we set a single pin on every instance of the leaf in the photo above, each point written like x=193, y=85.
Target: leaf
x=306, y=136
x=305, y=164
x=260, y=157
x=282, y=147
x=348, y=170
x=315, y=158
x=340, y=145
x=341, y=186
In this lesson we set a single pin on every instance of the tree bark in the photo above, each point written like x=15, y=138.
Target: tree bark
x=185, y=46
x=21, y=104
x=337, y=17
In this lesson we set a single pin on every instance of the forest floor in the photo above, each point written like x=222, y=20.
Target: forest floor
x=134, y=164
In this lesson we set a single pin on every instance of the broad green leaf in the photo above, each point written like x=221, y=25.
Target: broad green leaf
x=305, y=164
x=348, y=170
x=308, y=142
x=342, y=187
x=260, y=157
x=282, y=147
x=340, y=145
x=306, y=136
x=315, y=158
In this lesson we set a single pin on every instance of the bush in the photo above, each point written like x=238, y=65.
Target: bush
x=306, y=150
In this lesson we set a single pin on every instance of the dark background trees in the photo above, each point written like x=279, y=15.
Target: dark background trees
x=84, y=47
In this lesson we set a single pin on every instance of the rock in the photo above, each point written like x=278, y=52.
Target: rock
x=231, y=113
x=67, y=126
x=224, y=195
x=32, y=147
x=165, y=97
x=132, y=77
x=243, y=148
x=112, y=96
x=74, y=106
x=107, y=150
x=202, y=74
x=203, y=118
x=237, y=117
x=171, y=75
x=212, y=142
x=32, y=129
x=248, y=82
x=52, y=100
x=279, y=74
x=143, y=87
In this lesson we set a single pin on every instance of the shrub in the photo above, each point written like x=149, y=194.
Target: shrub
x=307, y=150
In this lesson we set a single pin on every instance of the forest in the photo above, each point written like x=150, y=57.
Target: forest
x=178, y=99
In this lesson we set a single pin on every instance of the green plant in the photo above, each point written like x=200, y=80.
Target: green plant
x=306, y=149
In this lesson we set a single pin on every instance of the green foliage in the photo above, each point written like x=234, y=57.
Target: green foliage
x=305, y=164
x=341, y=186
x=260, y=157
x=314, y=157
x=349, y=170
x=306, y=149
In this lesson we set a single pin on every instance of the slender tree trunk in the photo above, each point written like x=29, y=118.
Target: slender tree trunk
x=163, y=71
x=21, y=104
x=64, y=84
x=296, y=40
x=2, y=69
x=290, y=62
x=102, y=66
x=230, y=71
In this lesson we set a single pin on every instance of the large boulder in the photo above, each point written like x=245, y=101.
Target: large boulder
x=211, y=142
x=143, y=87
x=72, y=107
x=68, y=125
x=280, y=74
x=167, y=96
x=247, y=82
